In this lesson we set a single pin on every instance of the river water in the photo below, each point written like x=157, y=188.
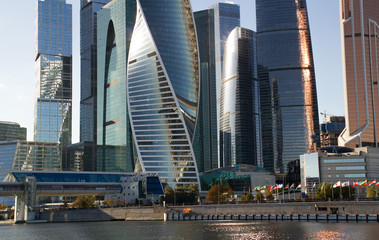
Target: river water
x=199, y=230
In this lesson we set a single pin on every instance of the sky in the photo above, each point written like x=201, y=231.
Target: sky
x=17, y=26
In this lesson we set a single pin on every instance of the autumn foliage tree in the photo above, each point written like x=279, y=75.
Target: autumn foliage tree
x=219, y=193
x=84, y=202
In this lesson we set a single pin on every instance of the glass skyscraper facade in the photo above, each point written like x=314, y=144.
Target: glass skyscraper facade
x=10, y=131
x=115, y=149
x=52, y=120
x=205, y=138
x=289, y=112
x=226, y=18
x=88, y=77
x=163, y=89
x=240, y=137
x=359, y=35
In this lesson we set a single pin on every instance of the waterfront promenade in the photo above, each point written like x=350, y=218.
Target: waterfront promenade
x=319, y=211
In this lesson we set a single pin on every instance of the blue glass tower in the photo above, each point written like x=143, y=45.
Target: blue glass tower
x=205, y=138
x=226, y=18
x=52, y=121
x=240, y=133
x=163, y=89
x=115, y=150
x=287, y=82
x=88, y=77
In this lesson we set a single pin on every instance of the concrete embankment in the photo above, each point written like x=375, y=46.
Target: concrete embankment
x=329, y=211
x=104, y=214
x=318, y=211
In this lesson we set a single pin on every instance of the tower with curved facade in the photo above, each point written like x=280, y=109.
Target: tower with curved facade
x=360, y=35
x=287, y=82
x=240, y=137
x=115, y=150
x=163, y=89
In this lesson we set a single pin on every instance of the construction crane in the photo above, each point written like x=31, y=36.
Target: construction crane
x=325, y=116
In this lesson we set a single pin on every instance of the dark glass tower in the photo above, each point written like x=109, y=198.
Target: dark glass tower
x=52, y=121
x=163, y=89
x=205, y=138
x=240, y=137
x=88, y=77
x=287, y=82
x=115, y=148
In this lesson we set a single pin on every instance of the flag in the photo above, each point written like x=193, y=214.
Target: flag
x=322, y=187
x=377, y=184
x=299, y=186
x=288, y=186
x=292, y=186
x=314, y=185
x=270, y=188
x=355, y=184
x=255, y=189
x=364, y=183
x=345, y=184
x=263, y=188
x=370, y=183
x=337, y=184
x=280, y=186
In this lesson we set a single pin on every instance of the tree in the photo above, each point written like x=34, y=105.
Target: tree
x=219, y=193
x=269, y=196
x=185, y=194
x=84, y=202
x=3, y=206
x=259, y=196
x=247, y=197
x=324, y=192
x=371, y=192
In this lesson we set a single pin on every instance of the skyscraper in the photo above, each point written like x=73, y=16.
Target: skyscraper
x=205, y=138
x=163, y=89
x=240, y=134
x=10, y=131
x=359, y=34
x=227, y=17
x=115, y=150
x=52, y=120
x=289, y=112
x=88, y=77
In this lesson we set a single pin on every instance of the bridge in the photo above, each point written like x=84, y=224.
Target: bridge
x=14, y=189
x=26, y=186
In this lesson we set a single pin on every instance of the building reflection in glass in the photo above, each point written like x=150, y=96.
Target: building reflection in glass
x=240, y=134
x=52, y=120
x=287, y=81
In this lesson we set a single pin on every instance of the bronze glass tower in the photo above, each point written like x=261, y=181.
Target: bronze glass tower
x=359, y=34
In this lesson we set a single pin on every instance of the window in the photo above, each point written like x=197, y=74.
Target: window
x=351, y=160
x=350, y=168
x=355, y=175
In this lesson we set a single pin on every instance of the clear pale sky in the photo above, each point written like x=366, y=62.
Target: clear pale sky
x=17, y=57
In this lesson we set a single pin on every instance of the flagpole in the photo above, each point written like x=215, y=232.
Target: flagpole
x=349, y=190
x=332, y=192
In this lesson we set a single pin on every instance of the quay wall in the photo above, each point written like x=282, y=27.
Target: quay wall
x=282, y=208
x=104, y=214
x=355, y=211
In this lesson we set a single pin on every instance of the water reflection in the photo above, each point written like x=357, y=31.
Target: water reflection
x=207, y=230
